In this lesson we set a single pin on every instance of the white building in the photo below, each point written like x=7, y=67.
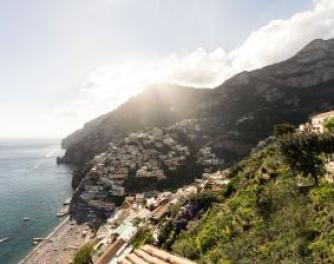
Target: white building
x=318, y=121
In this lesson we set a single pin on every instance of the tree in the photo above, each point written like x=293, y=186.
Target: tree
x=186, y=247
x=283, y=129
x=329, y=124
x=165, y=232
x=302, y=152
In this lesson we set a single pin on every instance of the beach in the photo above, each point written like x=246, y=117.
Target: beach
x=60, y=245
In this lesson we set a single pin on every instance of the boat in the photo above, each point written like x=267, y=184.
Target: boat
x=38, y=239
x=26, y=219
x=3, y=240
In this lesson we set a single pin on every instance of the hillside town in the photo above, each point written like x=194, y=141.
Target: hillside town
x=148, y=155
x=116, y=236
x=145, y=155
x=145, y=160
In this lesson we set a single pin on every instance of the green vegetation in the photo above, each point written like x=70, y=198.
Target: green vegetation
x=143, y=236
x=84, y=255
x=174, y=209
x=303, y=152
x=329, y=125
x=167, y=234
x=270, y=213
x=283, y=129
x=170, y=228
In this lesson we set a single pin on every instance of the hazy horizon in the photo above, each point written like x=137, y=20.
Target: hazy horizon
x=67, y=62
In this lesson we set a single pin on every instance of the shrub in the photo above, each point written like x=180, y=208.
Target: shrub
x=143, y=236
x=329, y=125
x=283, y=129
x=84, y=255
x=322, y=195
x=186, y=247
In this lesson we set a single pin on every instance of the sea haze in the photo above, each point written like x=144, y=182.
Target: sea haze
x=31, y=185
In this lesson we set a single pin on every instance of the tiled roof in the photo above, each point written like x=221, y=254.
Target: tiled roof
x=151, y=255
x=330, y=113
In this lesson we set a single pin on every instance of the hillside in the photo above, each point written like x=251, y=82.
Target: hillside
x=160, y=105
x=235, y=115
x=271, y=211
x=246, y=107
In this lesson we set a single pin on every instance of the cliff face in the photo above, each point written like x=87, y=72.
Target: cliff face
x=234, y=116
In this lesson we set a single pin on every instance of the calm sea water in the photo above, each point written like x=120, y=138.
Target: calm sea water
x=31, y=185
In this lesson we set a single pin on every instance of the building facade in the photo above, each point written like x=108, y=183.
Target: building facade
x=317, y=123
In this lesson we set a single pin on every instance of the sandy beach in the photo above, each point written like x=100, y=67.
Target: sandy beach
x=60, y=245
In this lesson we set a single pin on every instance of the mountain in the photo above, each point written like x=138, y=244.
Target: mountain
x=246, y=107
x=234, y=116
x=158, y=106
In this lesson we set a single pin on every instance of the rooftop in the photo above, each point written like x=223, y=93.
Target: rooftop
x=148, y=254
x=325, y=114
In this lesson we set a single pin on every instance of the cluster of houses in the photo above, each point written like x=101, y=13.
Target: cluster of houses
x=115, y=243
x=316, y=124
x=215, y=181
x=151, y=156
x=207, y=158
x=145, y=155
x=142, y=155
x=189, y=127
x=115, y=247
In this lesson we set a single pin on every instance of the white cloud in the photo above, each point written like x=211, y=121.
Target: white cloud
x=113, y=84
x=280, y=39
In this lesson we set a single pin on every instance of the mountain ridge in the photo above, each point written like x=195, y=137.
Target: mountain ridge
x=156, y=106
x=242, y=110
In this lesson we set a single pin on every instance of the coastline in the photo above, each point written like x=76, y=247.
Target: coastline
x=49, y=236
x=60, y=245
x=33, y=189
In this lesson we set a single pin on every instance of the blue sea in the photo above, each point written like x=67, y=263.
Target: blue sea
x=31, y=185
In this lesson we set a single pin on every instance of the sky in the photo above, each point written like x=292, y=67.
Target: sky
x=65, y=62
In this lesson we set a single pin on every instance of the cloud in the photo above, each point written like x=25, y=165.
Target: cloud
x=280, y=39
x=110, y=85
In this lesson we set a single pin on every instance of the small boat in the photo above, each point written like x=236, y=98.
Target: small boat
x=38, y=238
x=3, y=240
x=26, y=219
